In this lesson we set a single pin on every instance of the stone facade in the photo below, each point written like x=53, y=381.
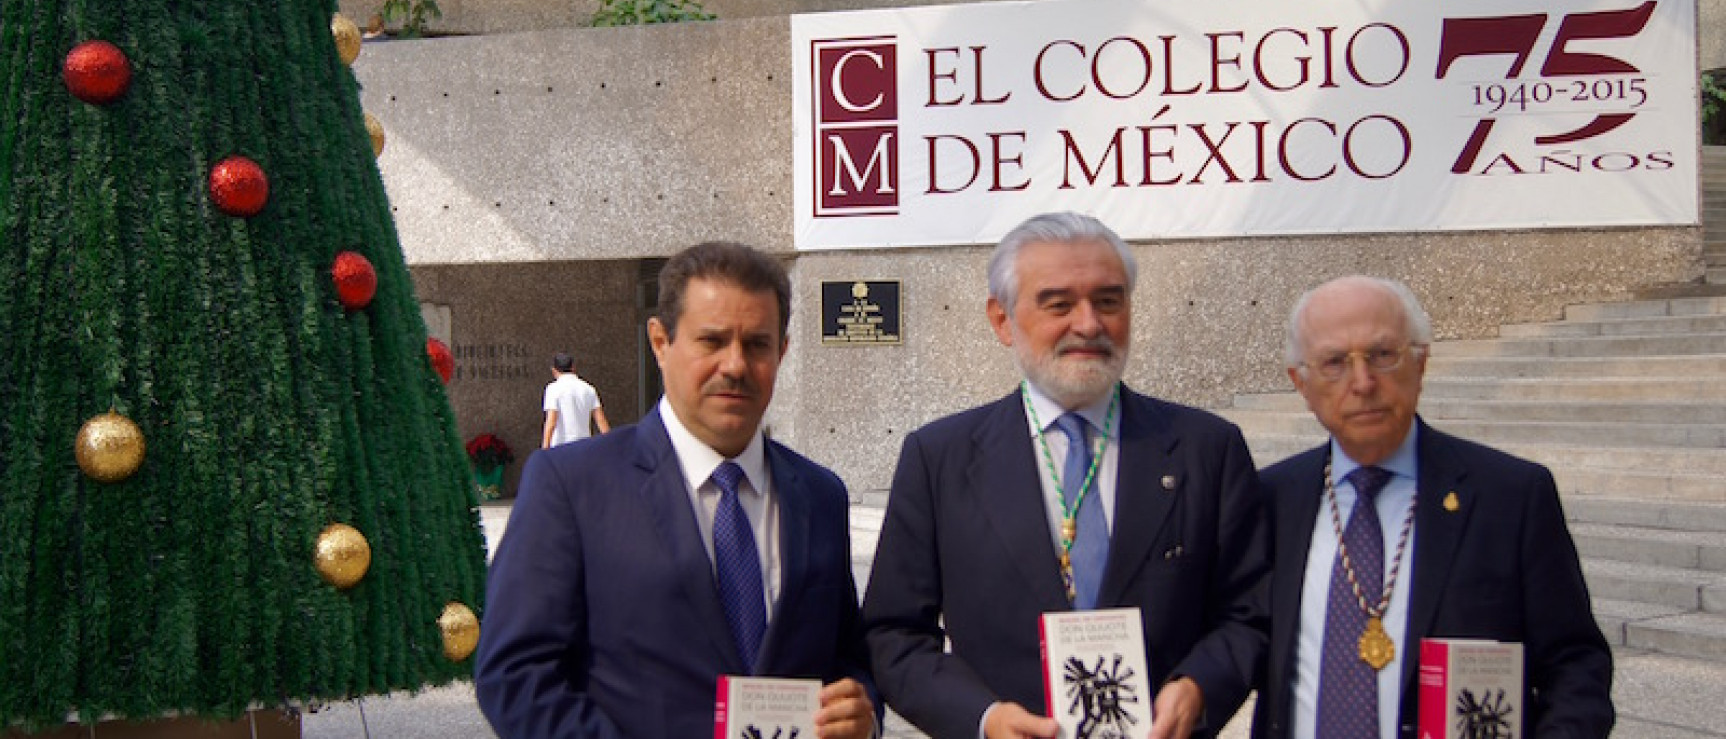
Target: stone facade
x=532, y=173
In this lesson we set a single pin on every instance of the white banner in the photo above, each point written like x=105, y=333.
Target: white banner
x=950, y=124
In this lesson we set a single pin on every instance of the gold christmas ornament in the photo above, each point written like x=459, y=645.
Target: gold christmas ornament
x=347, y=38
x=110, y=447
x=460, y=631
x=342, y=555
x=376, y=131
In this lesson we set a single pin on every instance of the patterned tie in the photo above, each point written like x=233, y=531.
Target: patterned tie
x=1347, y=685
x=1091, y=544
x=738, y=566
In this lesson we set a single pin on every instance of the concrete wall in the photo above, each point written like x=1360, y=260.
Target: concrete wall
x=520, y=150
x=1711, y=36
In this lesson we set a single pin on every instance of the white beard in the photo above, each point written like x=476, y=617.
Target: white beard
x=1073, y=382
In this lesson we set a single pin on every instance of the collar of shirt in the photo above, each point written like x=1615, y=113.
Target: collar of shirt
x=699, y=460
x=1048, y=411
x=1401, y=462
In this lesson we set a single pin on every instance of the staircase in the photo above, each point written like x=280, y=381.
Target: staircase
x=1626, y=403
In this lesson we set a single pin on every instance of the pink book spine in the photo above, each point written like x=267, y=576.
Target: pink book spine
x=721, y=727
x=1048, y=674
x=1434, y=695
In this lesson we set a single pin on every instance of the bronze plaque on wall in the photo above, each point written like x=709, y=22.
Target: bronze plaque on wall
x=859, y=313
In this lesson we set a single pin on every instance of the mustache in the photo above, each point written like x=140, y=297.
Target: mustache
x=722, y=384
x=1102, y=344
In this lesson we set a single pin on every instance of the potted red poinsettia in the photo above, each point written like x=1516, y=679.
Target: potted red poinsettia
x=490, y=456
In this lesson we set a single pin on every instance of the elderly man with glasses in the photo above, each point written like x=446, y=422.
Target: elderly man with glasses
x=1391, y=532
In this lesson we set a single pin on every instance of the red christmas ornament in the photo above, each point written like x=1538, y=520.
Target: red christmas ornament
x=356, y=281
x=441, y=359
x=97, y=72
x=239, y=187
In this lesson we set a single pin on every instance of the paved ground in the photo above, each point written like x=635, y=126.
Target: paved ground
x=1658, y=696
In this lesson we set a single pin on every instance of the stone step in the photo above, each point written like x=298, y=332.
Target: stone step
x=1695, y=550
x=1654, y=485
x=1666, y=475
x=1716, y=276
x=1523, y=410
x=1690, y=306
x=1621, y=389
x=1652, y=326
x=1675, y=290
x=1604, y=346
x=1689, y=590
x=1574, y=433
x=1695, y=635
x=1515, y=367
x=1613, y=615
x=1647, y=514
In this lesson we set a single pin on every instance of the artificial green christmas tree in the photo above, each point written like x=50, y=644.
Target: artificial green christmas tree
x=215, y=387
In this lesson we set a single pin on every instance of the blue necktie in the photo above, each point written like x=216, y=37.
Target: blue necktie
x=1347, y=685
x=737, y=565
x=1091, y=543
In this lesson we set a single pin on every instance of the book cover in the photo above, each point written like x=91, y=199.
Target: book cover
x=1095, y=680
x=765, y=708
x=1470, y=689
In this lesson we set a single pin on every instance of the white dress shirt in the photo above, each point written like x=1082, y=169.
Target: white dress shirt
x=1392, y=506
x=755, y=494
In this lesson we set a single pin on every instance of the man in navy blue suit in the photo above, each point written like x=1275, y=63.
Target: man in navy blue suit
x=640, y=565
x=1072, y=492
x=1392, y=532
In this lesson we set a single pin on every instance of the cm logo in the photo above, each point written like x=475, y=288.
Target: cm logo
x=856, y=126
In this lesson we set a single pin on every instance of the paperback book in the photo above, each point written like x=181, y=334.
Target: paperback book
x=1470, y=689
x=1095, y=680
x=765, y=708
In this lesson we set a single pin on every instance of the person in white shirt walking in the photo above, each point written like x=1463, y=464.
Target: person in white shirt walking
x=569, y=404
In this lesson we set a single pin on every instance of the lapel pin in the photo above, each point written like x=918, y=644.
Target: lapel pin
x=1169, y=483
x=1450, y=502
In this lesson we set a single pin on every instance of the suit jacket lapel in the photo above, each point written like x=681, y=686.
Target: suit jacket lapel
x=1004, y=477
x=795, y=531
x=1437, y=533
x=1142, y=504
x=666, y=495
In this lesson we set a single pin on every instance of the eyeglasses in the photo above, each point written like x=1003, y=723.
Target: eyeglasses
x=1380, y=360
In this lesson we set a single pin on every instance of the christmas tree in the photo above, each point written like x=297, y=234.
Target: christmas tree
x=229, y=476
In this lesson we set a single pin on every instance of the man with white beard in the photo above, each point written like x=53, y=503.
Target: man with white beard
x=1071, y=493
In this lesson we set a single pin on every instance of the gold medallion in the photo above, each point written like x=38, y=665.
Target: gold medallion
x=1376, y=648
